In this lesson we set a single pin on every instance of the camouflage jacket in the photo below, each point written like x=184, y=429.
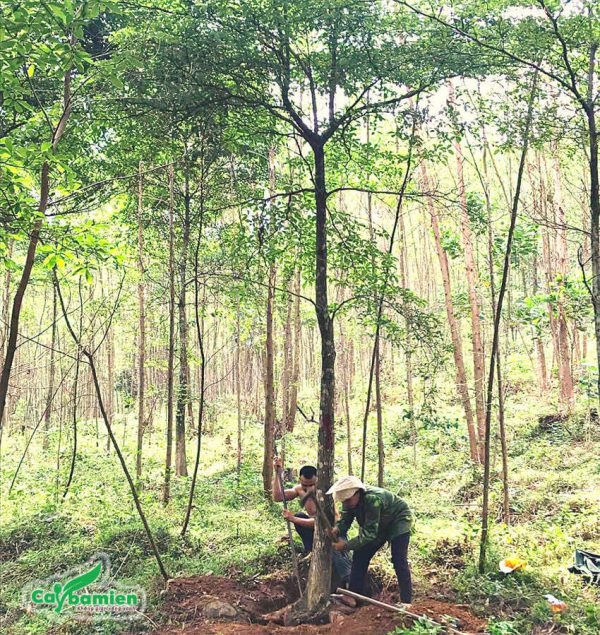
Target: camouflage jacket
x=381, y=515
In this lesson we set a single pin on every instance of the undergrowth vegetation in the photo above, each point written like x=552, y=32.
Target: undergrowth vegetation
x=235, y=531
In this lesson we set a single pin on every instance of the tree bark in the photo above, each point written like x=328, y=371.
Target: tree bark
x=461, y=375
x=380, y=447
x=297, y=349
x=269, y=424
x=567, y=395
x=183, y=388
x=96, y=382
x=403, y=264
x=496, y=335
x=110, y=399
x=377, y=354
x=319, y=577
x=500, y=385
x=286, y=374
x=52, y=371
x=473, y=283
x=595, y=229
x=171, y=350
x=5, y=304
x=200, y=335
x=238, y=390
x=142, y=329
x=269, y=378
x=348, y=352
x=15, y=316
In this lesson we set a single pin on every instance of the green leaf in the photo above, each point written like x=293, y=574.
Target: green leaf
x=117, y=82
x=58, y=12
x=77, y=583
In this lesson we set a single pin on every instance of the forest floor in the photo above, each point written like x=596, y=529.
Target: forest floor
x=214, y=605
x=231, y=549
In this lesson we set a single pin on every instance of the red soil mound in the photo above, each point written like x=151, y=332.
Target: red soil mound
x=212, y=605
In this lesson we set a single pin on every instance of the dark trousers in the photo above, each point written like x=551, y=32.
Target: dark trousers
x=362, y=558
x=341, y=560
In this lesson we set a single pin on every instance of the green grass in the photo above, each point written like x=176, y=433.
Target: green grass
x=554, y=481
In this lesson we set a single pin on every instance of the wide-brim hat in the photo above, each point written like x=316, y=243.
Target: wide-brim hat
x=345, y=487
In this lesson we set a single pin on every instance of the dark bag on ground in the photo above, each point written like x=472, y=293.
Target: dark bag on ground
x=587, y=564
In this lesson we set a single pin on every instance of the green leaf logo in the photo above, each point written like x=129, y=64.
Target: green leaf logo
x=75, y=584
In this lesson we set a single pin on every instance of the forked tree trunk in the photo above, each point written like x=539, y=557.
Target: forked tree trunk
x=96, y=382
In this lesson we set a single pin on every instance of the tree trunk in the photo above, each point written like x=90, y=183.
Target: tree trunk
x=286, y=375
x=500, y=386
x=461, y=375
x=52, y=372
x=5, y=304
x=473, y=283
x=15, y=316
x=496, y=334
x=200, y=335
x=595, y=228
x=171, y=351
x=403, y=263
x=377, y=353
x=238, y=390
x=293, y=402
x=183, y=388
x=542, y=374
x=110, y=399
x=319, y=578
x=567, y=395
x=269, y=424
x=142, y=329
x=96, y=382
x=380, y=448
x=348, y=352
x=269, y=379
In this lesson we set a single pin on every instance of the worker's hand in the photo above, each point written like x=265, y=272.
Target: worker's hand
x=333, y=533
x=287, y=514
x=278, y=463
x=340, y=545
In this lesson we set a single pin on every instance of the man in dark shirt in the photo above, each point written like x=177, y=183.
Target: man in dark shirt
x=382, y=517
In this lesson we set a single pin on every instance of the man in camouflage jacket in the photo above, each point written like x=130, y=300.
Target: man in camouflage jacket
x=382, y=517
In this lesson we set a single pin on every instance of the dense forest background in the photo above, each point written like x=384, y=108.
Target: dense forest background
x=359, y=234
